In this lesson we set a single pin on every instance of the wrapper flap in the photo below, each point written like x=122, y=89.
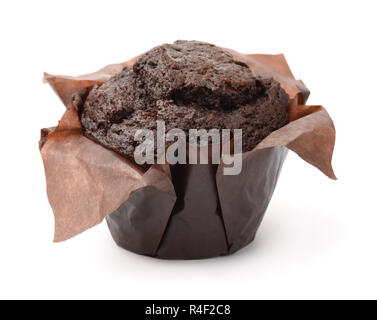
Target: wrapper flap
x=66, y=86
x=275, y=66
x=311, y=136
x=86, y=182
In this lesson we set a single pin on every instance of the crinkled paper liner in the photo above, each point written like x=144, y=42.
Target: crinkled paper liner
x=181, y=211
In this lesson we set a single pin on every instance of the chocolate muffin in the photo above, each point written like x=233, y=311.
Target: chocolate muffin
x=189, y=85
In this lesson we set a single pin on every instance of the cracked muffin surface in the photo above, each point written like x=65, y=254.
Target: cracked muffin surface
x=189, y=85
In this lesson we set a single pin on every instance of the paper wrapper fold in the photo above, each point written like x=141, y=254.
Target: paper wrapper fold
x=180, y=211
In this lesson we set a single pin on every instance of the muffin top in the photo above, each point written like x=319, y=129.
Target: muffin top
x=189, y=85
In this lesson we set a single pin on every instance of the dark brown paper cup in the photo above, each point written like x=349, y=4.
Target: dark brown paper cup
x=199, y=227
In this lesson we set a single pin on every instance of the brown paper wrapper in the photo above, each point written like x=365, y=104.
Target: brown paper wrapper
x=181, y=211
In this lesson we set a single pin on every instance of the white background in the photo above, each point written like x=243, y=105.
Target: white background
x=319, y=237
